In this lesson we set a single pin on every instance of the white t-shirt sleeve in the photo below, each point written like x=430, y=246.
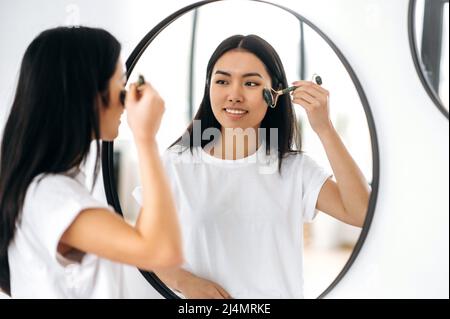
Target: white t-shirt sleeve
x=56, y=201
x=313, y=178
x=137, y=194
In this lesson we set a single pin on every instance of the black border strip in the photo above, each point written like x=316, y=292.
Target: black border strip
x=107, y=152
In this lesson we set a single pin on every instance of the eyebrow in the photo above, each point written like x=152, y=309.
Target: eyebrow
x=243, y=75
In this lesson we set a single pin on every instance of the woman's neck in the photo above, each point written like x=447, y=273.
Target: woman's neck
x=234, y=144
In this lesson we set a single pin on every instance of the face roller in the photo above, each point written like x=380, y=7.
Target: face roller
x=269, y=94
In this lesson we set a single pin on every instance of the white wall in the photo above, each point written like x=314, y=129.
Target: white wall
x=21, y=21
x=406, y=254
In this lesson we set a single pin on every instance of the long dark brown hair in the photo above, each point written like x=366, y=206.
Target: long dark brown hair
x=54, y=116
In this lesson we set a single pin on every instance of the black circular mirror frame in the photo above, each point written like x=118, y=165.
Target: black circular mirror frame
x=108, y=147
x=415, y=56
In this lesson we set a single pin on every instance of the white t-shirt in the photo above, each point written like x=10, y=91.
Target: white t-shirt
x=242, y=222
x=37, y=270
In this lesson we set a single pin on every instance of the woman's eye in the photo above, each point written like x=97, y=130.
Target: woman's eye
x=221, y=82
x=251, y=84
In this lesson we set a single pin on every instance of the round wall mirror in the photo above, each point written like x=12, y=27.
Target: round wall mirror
x=428, y=37
x=173, y=57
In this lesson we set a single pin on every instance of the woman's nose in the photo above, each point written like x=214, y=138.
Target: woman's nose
x=234, y=99
x=235, y=94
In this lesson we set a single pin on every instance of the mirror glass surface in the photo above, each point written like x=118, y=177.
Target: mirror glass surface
x=175, y=64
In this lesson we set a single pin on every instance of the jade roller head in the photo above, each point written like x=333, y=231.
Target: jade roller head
x=123, y=93
x=271, y=96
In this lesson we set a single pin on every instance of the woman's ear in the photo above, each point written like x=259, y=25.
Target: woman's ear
x=105, y=98
x=101, y=101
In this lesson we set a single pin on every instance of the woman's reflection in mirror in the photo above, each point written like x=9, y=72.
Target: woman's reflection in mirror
x=242, y=225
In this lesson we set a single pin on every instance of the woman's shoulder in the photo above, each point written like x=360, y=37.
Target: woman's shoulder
x=179, y=153
x=49, y=193
x=62, y=184
x=299, y=159
x=294, y=157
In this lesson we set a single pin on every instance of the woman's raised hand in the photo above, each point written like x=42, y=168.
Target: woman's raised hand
x=145, y=109
x=315, y=100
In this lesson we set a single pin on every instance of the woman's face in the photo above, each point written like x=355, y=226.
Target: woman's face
x=237, y=82
x=110, y=114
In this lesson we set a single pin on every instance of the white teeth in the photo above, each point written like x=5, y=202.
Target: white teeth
x=235, y=111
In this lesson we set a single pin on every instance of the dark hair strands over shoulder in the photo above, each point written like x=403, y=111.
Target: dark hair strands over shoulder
x=282, y=117
x=54, y=116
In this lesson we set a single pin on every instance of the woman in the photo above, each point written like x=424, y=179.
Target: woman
x=56, y=240
x=243, y=190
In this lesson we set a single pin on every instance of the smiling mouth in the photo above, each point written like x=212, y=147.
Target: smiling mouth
x=235, y=111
